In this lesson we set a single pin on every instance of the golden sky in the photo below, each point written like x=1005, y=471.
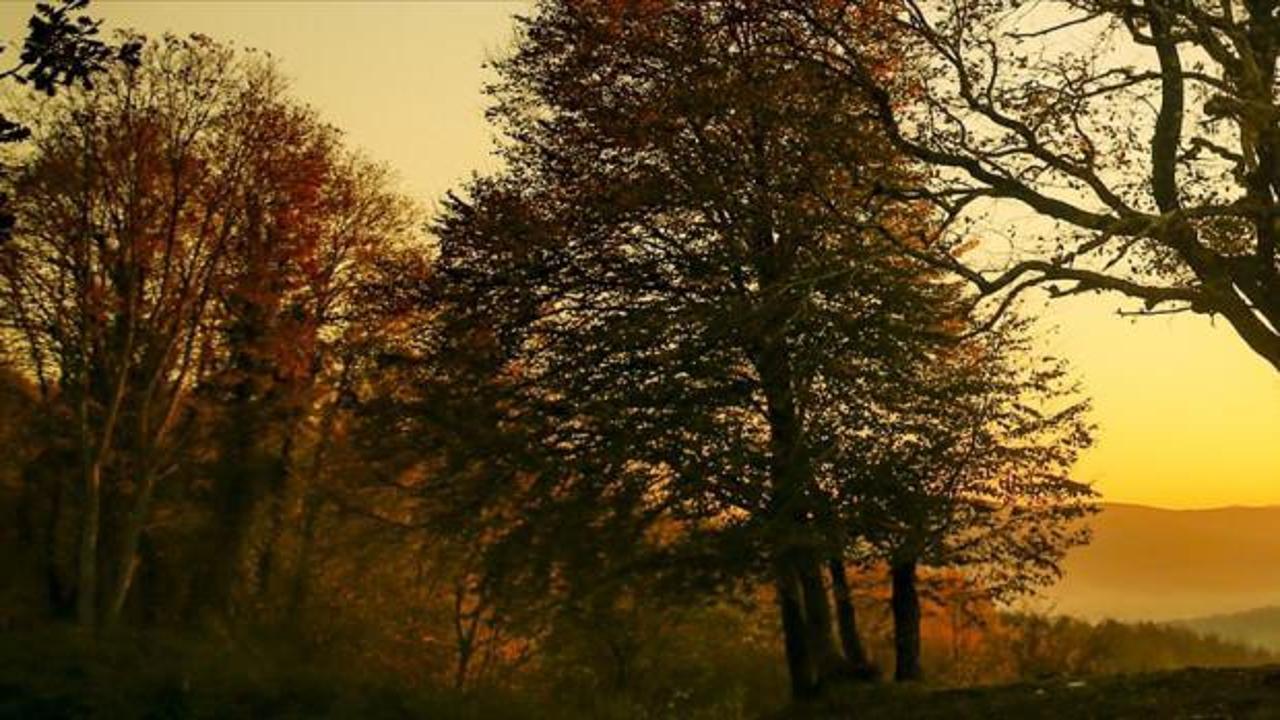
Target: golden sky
x=1188, y=416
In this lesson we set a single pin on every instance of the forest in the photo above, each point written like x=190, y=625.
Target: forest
x=706, y=402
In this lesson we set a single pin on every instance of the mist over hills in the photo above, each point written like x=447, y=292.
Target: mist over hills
x=1175, y=565
x=1259, y=627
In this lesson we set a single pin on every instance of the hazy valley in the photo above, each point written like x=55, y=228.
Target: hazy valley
x=1215, y=570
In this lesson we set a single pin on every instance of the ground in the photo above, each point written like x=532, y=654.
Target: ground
x=57, y=676
x=1199, y=693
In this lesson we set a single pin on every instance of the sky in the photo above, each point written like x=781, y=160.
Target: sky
x=1188, y=417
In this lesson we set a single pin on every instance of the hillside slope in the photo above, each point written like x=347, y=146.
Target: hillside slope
x=1153, y=564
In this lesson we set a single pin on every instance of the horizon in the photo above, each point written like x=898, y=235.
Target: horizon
x=1212, y=508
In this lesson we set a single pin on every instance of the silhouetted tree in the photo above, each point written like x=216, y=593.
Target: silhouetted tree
x=972, y=472
x=1143, y=135
x=314, y=221
x=673, y=285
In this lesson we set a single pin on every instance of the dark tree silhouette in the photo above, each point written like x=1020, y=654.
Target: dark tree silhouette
x=680, y=266
x=971, y=472
x=1144, y=135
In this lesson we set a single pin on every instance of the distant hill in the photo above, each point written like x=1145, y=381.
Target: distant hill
x=1151, y=564
x=1260, y=627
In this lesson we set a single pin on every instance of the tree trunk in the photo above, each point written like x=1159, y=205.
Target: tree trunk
x=48, y=510
x=127, y=562
x=87, y=586
x=906, y=622
x=300, y=582
x=828, y=661
x=238, y=496
x=813, y=656
x=286, y=520
x=800, y=666
x=847, y=622
x=229, y=543
x=311, y=503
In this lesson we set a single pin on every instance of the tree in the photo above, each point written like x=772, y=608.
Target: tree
x=976, y=478
x=672, y=288
x=315, y=219
x=110, y=273
x=189, y=249
x=1144, y=134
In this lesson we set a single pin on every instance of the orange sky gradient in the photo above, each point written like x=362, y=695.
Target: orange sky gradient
x=1188, y=416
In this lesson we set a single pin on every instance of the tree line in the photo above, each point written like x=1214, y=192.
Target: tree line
x=707, y=334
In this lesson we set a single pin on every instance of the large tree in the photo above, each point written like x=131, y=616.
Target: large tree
x=314, y=220
x=188, y=247
x=108, y=277
x=672, y=286
x=1143, y=134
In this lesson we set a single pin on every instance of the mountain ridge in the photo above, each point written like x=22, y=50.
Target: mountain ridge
x=1215, y=508
x=1167, y=564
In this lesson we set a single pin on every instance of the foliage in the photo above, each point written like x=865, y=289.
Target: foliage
x=180, y=288
x=61, y=50
x=704, y=667
x=978, y=473
x=698, y=333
